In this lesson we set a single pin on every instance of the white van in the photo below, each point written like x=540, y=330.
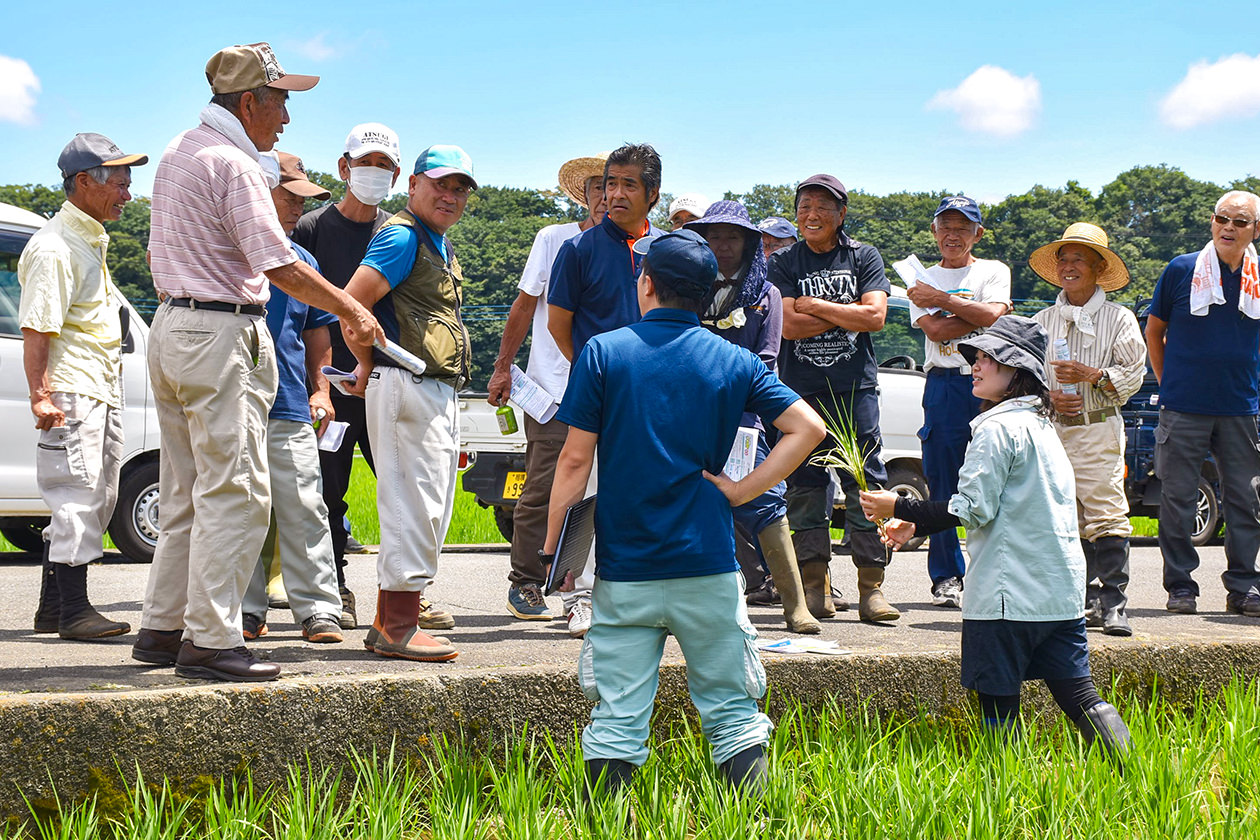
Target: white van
x=23, y=513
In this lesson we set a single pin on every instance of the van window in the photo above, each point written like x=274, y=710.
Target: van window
x=11, y=245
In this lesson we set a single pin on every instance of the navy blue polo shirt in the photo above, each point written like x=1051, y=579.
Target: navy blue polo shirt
x=1212, y=361
x=665, y=396
x=595, y=276
x=287, y=319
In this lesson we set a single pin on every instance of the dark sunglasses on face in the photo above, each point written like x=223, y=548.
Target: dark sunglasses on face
x=1240, y=224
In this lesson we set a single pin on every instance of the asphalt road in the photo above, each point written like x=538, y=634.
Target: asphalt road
x=472, y=585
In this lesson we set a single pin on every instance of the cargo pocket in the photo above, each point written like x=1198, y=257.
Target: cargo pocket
x=586, y=672
x=59, y=456
x=439, y=347
x=1162, y=434
x=754, y=673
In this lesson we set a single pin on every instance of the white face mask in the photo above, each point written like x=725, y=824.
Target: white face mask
x=270, y=163
x=370, y=184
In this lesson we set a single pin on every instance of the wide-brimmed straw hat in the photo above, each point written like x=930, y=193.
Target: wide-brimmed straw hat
x=1013, y=340
x=575, y=173
x=1044, y=261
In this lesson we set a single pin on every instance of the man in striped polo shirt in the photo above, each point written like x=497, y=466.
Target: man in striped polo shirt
x=215, y=245
x=1108, y=361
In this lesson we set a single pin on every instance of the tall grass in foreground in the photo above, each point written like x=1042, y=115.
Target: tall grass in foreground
x=1192, y=774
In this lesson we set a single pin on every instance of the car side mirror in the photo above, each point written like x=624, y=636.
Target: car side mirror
x=128, y=340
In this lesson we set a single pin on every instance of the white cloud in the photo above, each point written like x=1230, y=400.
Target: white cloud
x=316, y=49
x=18, y=86
x=993, y=101
x=1211, y=92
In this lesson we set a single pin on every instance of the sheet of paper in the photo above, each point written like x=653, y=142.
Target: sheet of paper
x=911, y=271
x=803, y=646
x=402, y=357
x=338, y=378
x=531, y=397
x=333, y=436
x=743, y=455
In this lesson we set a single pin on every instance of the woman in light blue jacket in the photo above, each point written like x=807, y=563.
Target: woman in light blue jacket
x=1025, y=585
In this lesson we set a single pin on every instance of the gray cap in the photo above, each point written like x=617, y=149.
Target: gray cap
x=1013, y=340
x=88, y=151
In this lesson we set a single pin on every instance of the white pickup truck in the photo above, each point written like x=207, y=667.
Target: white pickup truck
x=23, y=514
x=494, y=463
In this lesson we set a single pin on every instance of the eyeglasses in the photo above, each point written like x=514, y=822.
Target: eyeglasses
x=1224, y=221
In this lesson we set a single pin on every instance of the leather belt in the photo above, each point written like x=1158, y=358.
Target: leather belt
x=1088, y=418
x=256, y=309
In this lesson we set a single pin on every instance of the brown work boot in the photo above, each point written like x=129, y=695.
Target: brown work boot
x=396, y=634
x=776, y=545
x=813, y=555
x=873, y=606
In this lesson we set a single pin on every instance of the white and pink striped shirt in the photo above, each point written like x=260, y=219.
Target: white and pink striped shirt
x=214, y=227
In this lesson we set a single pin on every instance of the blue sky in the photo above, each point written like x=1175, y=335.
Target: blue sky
x=983, y=98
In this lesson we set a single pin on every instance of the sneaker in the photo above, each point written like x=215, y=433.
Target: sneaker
x=433, y=618
x=353, y=546
x=580, y=618
x=322, y=629
x=348, y=620
x=253, y=626
x=1183, y=601
x=947, y=593
x=766, y=595
x=1248, y=605
x=526, y=602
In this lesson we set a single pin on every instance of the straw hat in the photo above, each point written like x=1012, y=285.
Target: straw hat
x=575, y=173
x=1114, y=274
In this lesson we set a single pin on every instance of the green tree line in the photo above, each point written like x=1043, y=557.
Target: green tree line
x=1151, y=213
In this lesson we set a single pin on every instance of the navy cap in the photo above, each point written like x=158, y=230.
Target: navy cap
x=88, y=151
x=967, y=206
x=778, y=227
x=681, y=261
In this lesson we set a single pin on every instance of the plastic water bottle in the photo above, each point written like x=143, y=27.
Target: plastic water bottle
x=1062, y=354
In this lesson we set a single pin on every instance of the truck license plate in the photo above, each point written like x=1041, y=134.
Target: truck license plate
x=514, y=484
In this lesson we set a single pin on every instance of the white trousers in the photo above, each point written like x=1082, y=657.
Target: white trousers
x=413, y=424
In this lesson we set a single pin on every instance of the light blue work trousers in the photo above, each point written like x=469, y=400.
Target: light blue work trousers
x=621, y=656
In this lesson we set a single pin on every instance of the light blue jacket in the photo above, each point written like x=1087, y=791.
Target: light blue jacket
x=1017, y=499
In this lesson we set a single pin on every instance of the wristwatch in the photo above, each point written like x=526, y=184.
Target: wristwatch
x=545, y=558
x=1103, y=379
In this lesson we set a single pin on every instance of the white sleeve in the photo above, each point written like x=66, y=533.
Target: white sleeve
x=996, y=288
x=537, y=270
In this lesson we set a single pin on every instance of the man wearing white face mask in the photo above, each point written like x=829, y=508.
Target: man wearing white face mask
x=338, y=236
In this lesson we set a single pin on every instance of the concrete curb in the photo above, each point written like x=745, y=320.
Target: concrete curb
x=83, y=744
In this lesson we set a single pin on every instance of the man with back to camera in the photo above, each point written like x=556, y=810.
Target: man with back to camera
x=71, y=351
x=835, y=295
x=413, y=281
x=662, y=399
x=215, y=247
x=968, y=296
x=582, y=180
x=337, y=235
x=1203, y=339
x=593, y=286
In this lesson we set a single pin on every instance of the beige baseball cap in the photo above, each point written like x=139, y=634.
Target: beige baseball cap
x=241, y=68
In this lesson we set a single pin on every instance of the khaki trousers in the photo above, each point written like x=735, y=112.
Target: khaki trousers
x=214, y=379
x=1097, y=455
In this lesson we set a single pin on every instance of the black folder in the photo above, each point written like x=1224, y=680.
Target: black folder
x=576, y=537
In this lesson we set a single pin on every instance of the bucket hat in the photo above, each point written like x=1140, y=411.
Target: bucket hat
x=726, y=212
x=575, y=173
x=1114, y=275
x=1013, y=340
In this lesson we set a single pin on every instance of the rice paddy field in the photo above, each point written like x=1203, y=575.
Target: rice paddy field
x=1194, y=772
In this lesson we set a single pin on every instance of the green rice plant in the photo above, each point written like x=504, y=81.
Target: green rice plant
x=153, y=816
x=309, y=810
x=236, y=812
x=386, y=798
x=847, y=455
x=455, y=786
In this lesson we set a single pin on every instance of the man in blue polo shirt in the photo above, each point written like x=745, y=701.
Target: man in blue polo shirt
x=663, y=399
x=593, y=284
x=1203, y=340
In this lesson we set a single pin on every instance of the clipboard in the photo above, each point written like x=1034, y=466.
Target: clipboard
x=576, y=537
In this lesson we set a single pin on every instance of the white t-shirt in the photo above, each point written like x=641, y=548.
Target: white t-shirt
x=984, y=281
x=547, y=365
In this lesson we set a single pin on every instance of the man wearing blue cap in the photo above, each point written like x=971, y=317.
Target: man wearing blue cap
x=777, y=233
x=663, y=398
x=413, y=282
x=966, y=296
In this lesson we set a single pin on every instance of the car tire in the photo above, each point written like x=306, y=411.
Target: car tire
x=908, y=481
x=1207, y=515
x=134, y=526
x=503, y=519
x=27, y=535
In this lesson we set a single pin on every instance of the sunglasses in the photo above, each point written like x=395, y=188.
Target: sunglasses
x=1224, y=221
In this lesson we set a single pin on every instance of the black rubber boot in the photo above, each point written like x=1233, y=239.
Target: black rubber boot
x=1093, y=603
x=1103, y=723
x=48, y=615
x=1112, y=568
x=607, y=776
x=79, y=619
x=746, y=771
